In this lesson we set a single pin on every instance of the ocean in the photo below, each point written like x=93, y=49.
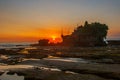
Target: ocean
x=15, y=45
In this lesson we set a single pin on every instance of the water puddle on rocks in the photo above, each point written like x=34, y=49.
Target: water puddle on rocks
x=6, y=76
x=47, y=68
x=80, y=60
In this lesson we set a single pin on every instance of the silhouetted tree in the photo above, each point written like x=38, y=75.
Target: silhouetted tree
x=93, y=33
x=86, y=24
x=99, y=31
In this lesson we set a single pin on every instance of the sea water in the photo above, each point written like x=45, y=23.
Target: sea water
x=14, y=45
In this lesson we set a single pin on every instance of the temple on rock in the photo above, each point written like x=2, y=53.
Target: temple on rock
x=93, y=34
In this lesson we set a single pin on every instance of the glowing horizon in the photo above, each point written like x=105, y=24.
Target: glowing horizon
x=31, y=20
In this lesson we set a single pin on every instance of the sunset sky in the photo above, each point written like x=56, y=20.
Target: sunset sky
x=30, y=20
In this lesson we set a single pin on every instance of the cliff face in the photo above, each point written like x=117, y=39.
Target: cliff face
x=93, y=34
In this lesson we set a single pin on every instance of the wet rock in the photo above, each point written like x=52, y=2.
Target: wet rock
x=103, y=74
x=10, y=73
x=109, y=61
x=1, y=73
x=20, y=74
x=69, y=76
x=32, y=78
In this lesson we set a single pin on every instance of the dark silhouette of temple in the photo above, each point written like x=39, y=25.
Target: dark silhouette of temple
x=43, y=42
x=93, y=34
x=87, y=35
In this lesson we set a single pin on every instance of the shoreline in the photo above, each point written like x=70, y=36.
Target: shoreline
x=40, y=64
x=81, y=68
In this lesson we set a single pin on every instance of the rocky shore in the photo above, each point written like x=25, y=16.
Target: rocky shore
x=61, y=70
x=55, y=64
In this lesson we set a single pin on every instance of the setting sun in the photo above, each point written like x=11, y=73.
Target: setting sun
x=54, y=39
